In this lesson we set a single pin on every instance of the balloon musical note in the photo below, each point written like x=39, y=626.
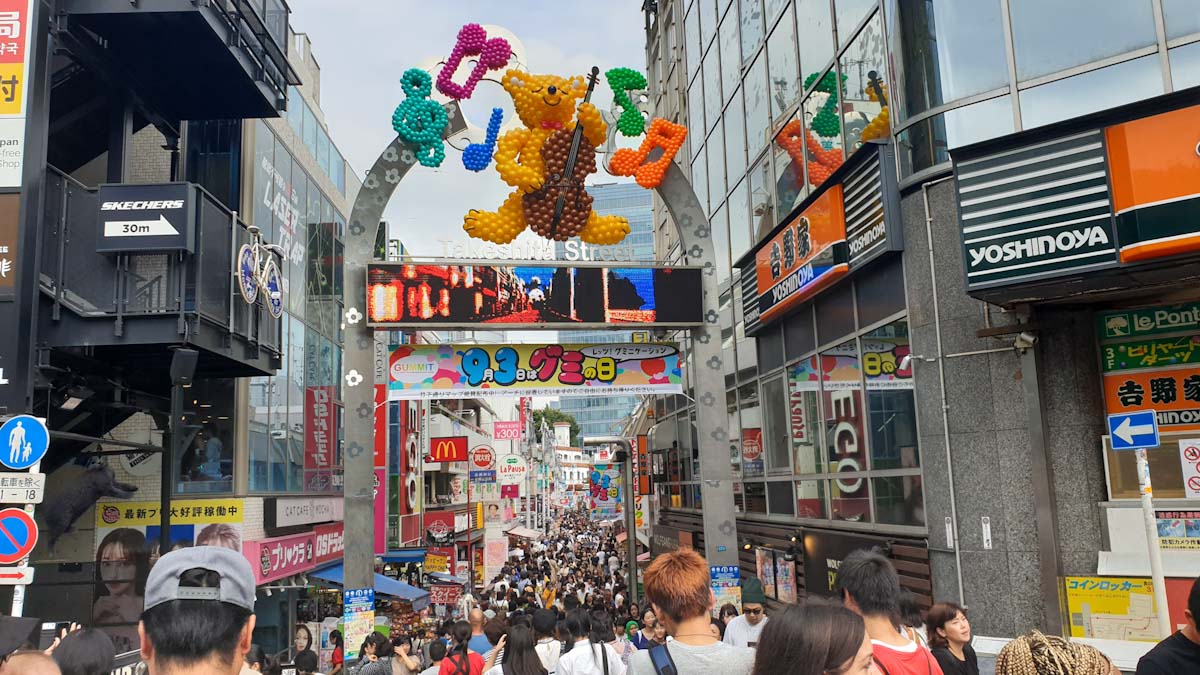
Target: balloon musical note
x=478, y=156
x=472, y=41
x=623, y=80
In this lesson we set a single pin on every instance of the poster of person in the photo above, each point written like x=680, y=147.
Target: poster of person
x=493, y=513
x=785, y=578
x=764, y=559
x=127, y=546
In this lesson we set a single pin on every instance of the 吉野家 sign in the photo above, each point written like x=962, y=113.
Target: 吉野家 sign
x=403, y=295
x=434, y=371
x=808, y=255
x=448, y=449
x=146, y=218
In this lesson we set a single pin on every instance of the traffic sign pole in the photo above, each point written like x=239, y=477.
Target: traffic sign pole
x=1157, y=577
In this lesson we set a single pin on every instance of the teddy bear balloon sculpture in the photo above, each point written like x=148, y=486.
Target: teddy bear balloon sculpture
x=547, y=159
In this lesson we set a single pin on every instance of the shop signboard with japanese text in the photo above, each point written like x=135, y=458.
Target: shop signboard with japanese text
x=329, y=543
x=401, y=295
x=511, y=470
x=726, y=584
x=319, y=439
x=1149, y=321
x=279, y=557
x=444, y=594
x=441, y=370
x=1178, y=530
x=127, y=533
x=606, y=493
x=16, y=31
x=506, y=431
x=1151, y=361
x=439, y=527
x=1112, y=608
x=809, y=254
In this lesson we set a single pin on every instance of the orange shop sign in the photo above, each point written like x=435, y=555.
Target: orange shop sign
x=808, y=255
x=1154, y=165
x=1173, y=394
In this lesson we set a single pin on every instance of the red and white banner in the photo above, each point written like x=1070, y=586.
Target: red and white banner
x=319, y=438
x=280, y=557
x=330, y=542
x=444, y=594
x=381, y=511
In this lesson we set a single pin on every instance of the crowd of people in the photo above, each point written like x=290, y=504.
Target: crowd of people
x=562, y=606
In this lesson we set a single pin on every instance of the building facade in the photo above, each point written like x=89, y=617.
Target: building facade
x=604, y=416
x=938, y=248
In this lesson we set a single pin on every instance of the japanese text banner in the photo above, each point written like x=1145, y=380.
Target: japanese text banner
x=433, y=371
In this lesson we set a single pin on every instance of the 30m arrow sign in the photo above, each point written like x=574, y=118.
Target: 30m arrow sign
x=139, y=228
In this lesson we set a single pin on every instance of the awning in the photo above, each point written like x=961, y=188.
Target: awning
x=405, y=555
x=525, y=533
x=621, y=537
x=443, y=578
x=384, y=585
x=643, y=557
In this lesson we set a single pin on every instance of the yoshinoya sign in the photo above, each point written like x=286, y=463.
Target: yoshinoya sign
x=146, y=218
x=281, y=512
x=872, y=208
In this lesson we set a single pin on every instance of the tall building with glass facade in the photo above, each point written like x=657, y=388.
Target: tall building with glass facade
x=603, y=416
x=941, y=228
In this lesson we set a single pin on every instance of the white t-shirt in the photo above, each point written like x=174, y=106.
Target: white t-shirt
x=586, y=659
x=740, y=633
x=548, y=651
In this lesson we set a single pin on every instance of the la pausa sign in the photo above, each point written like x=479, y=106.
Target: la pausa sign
x=573, y=251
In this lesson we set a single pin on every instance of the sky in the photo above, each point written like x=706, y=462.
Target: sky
x=364, y=46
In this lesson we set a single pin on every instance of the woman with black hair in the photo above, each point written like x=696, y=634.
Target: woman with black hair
x=85, y=652
x=374, y=655
x=520, y=658
x=591, y=654
x=339, y=653
x=402, y=661
x=460, y=660
x=814, y=639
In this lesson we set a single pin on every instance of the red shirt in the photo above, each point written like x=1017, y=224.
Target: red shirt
x=338, y=659
x=475, y=662
x=912, y=659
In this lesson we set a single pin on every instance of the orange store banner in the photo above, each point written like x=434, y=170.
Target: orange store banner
x=809, y=254
x=1154, y=169
x=1173, y=394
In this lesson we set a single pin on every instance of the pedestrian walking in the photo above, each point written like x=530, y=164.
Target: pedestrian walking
x=590, y=654
x=676, y=585
x=949, y=635
x=1179, y=653
x=520, y=655
x=461, y=660
x=814, y=639
x=744, y=630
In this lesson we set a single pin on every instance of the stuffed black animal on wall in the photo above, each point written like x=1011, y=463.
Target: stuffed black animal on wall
x=96, y=482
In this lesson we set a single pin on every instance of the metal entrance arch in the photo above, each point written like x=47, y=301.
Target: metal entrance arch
x=708, y=377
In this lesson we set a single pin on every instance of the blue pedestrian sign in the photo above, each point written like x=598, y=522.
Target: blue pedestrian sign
x=23, y=442
x=1133, y=430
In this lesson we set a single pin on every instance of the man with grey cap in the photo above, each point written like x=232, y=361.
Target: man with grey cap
x=199, y=616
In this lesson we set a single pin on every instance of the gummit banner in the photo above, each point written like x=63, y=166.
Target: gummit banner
x=549, y=369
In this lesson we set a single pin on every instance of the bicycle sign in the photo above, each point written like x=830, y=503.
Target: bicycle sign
x=257, y=271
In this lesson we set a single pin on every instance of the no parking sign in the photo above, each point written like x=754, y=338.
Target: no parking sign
x=1189, y=461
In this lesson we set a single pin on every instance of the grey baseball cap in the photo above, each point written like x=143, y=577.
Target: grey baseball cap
x=237, y=580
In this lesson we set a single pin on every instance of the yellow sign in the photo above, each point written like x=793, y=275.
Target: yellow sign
x=437, y=563
x=641, y=337
x=183, y=512
x=12, y=88
x=1112, y=608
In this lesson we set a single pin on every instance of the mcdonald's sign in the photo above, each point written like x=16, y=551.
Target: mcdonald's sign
x=448, y=449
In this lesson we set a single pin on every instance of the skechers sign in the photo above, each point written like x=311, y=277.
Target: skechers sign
x=809, y=254
x=146, y=218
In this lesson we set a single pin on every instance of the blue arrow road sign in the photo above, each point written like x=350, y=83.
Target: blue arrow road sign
x=1133, y=430
x=23, y=442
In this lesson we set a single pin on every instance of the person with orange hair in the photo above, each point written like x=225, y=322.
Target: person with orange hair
x=677, y=587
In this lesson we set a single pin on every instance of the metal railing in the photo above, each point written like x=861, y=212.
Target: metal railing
x=130, y=286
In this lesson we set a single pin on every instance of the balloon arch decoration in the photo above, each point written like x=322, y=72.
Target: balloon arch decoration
x=544, y=149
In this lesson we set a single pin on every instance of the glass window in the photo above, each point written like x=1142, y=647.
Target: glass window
x=899, y=500
x=880, y=293
x=849, y=14
x=735, y=431
x=295, y=282
x=323, y=150
x=798, y=335
x=780, y=500
x=731, y=58
x=1182, y=17
x=753, y=464
x=278, y=400
x=735, y=139
x=750, y=12
x=835, y=313
x=264, y=174
x=1185, y=66
x=303, y=402
x=700, y=180
x=295, y=111
x=720, y=234
x=691, y=42
x=282, y=202
x=695, y=103
x=761, y=202
x=822, y=130
x=739, y=221
x=843, y=411
x=260, y=442
x=1166, y=473
x=1092, y=91
x=338, y=167
x=816, y=36
x=810, y=499
x=757, y=107
x=1053, y=35
x=756, y=497
x=922, y=145
x=716, y=167
x=777, y=451
x=864, y=71
x=310, y=130
x=712, y=90
x=206, y=465
x=788, y=154
x=708, y=21
x=979, y=121
x=804, y=383
x=783, y=68
x=947, y=50
x=893, y=417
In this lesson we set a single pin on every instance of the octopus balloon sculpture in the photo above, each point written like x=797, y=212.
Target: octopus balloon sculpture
x=534, y=159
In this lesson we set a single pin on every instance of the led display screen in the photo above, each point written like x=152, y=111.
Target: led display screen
x=413, y=295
